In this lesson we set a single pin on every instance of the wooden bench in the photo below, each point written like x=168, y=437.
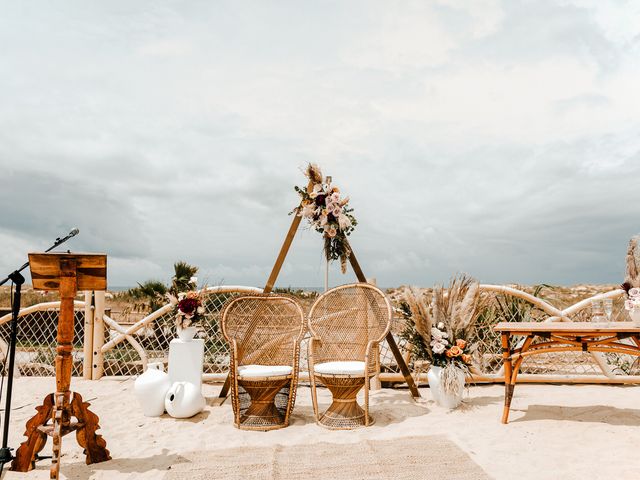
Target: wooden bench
x=560, y=337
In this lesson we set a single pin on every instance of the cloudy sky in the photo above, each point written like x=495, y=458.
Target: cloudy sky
x=499, y=138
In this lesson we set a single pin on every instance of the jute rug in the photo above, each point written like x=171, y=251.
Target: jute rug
x=398, y=459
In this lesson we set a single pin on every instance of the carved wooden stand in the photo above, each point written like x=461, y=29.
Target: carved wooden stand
x=68, y=272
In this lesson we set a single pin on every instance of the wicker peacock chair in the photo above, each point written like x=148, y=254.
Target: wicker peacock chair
x=264, y=333
x=346, y=324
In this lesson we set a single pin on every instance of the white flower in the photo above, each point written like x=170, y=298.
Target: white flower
x=308, y=210
x=441, y=325
x=200, y=310
x=634, y=292
x=436, y=333
x=438, y=348
x=317, y=190
x=344, y=222
x=193, y=280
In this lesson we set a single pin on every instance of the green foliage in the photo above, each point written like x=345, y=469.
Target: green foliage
x=411, y=335
x=150, y=295
x=181, y=280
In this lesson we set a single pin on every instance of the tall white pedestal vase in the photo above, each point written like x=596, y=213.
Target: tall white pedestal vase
x=447, y=398
x=150, y=389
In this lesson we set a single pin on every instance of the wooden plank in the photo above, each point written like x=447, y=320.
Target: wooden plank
x=275, y=271
x=91, y=270
x=567, y=327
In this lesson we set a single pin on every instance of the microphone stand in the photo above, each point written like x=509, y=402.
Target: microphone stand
x=17, y=278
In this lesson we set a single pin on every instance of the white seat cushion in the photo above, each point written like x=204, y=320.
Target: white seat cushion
x=340, y=368
x=264, y=370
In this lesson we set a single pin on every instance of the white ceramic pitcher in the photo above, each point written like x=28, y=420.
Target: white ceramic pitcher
x=184, y=400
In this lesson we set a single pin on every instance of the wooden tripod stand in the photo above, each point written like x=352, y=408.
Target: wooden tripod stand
x=293, y=229
x=67, y=272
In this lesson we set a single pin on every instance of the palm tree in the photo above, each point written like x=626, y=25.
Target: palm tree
x=153, y=295
x=181, y=281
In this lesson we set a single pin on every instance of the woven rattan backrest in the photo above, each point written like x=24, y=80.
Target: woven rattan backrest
x=346, y=318
x=266, y=328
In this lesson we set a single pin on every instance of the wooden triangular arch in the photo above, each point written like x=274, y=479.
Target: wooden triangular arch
x=275, y=271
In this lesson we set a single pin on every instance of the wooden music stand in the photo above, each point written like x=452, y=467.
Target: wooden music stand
x=67, y=272
x=293, y=229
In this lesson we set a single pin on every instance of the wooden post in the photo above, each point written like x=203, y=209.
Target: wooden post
x=288, y=240
x=87, y=351
x=98, y=336
x=390, y=340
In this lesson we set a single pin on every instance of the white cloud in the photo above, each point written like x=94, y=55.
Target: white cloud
x=494, y=137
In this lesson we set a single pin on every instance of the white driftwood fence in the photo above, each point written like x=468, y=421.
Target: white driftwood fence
x=103, y=347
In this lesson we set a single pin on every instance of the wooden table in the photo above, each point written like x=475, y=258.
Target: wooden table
x=560, y=337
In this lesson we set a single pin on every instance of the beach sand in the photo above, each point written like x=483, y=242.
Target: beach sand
x=555, y=431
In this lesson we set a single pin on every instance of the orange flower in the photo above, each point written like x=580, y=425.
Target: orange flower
x=454, y=351
x=461, y=343
x=466, y=358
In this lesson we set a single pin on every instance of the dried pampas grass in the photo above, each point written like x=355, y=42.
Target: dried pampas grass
x=632, y=276
x=452, y=378
x=314, y=173
x=419, y=308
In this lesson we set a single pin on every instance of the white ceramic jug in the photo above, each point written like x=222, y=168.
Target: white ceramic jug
x=150, y=389
x=184, y=400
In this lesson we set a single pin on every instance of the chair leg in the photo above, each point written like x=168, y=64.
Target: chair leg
x=367, y=383
x=314, y=395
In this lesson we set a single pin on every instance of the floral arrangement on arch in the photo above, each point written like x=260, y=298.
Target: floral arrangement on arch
x=328, y=213
x=440, y=326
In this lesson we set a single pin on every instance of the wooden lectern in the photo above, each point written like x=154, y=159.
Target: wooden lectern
x=67, y=272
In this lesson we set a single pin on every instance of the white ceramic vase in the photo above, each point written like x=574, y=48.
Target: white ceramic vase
x=635, y=316
x=442, y=398
x=186, y=334
x=184, y=400
x=150, y=389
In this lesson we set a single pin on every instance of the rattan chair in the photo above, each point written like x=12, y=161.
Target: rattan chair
x=346, y=325
x=264, y=334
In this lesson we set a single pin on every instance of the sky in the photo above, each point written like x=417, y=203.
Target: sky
x=496, y=138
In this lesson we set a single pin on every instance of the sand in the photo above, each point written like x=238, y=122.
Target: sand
x=556, y=431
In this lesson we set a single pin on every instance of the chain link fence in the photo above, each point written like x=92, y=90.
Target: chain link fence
x=36, y=342
x=127, y=349
x=155, y=336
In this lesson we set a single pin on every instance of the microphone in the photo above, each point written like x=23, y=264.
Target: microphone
x=60, y=241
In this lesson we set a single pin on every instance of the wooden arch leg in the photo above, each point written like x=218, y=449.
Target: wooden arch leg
x=24, y=459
